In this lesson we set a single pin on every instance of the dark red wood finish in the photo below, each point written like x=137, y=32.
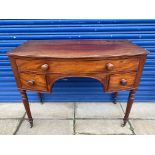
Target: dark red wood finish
x=117, y=64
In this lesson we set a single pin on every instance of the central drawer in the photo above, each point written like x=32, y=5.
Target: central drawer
x=77, y=66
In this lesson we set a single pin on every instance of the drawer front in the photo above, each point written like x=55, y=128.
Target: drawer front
x=121, y=81
x=77, y=66
x=33, y=81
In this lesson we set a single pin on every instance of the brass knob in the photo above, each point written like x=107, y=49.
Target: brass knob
x=109, y=66
x=123, y=82
x=44, y=67
x=30, y=82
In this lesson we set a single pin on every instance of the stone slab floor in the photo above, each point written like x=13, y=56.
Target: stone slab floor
x=77, y=119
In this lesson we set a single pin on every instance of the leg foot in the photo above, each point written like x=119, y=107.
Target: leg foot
x=124, y=123
x=40, y=98
x=114, y=97
x=31, y=123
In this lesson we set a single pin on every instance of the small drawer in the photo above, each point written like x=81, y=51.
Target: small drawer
x=121, y=81
x=77, y=66
x=33, y=81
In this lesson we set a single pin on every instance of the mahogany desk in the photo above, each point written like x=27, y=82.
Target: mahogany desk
x=117, y=64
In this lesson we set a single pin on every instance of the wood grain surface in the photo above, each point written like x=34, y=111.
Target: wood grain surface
x=39, y=81
x=115, y=81
x=77, y=66
x=77, y=49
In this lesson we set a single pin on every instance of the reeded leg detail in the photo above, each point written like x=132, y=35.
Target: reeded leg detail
x=27, y=107
x=40, y=95
x=114, y=97
x=129, y=105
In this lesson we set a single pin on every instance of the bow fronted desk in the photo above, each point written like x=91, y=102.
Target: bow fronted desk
x=117, y=64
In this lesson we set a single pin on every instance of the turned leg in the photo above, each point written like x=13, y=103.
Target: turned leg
x=40, y=97
x=27, y=107
x=114, y=97
x=129, y=105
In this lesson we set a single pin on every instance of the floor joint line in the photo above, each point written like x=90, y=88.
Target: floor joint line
x=19, y=125
x=131, y=127
x=74, y=121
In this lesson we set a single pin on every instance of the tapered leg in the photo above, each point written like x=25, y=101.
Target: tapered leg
x=40, y=97
x=129, y=105
x=27, y=107
x=114, y=97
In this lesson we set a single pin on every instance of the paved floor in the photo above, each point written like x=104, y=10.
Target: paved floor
x=77, y=119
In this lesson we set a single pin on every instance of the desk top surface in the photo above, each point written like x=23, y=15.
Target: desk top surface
x=77, y=49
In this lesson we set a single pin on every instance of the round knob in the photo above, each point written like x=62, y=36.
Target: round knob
x=44, y=67
x=109, y=66
x=123, y=82
x=30, y=82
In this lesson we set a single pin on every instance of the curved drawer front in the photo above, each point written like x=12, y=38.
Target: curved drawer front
x=122, y=81
x=33, y=81
x=77, y=66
